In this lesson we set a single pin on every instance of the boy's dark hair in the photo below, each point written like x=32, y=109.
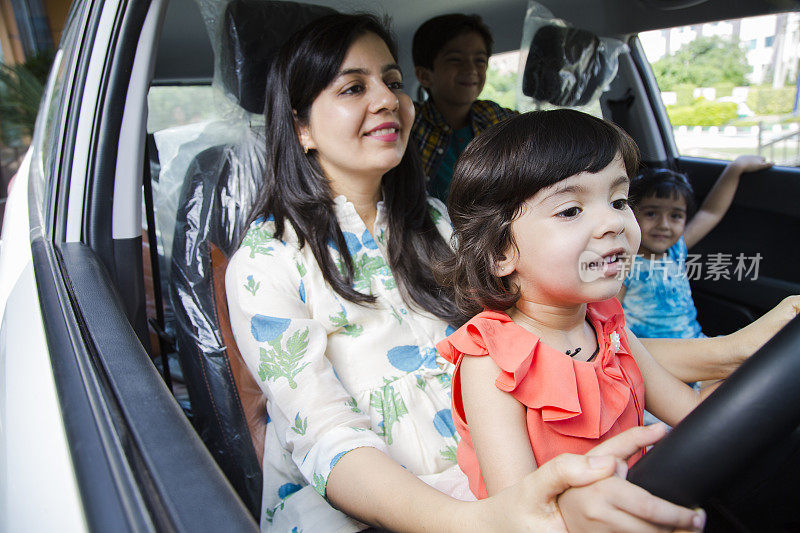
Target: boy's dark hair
x=430, y=38
x=498, y=172
x=663, y=183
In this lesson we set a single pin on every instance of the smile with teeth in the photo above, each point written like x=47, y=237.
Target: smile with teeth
x=608, y=260
x=384, y=131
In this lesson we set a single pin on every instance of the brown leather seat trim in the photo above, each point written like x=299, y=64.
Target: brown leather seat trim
x=254, y=402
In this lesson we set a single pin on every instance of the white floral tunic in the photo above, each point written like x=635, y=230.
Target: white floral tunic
x=339, y=375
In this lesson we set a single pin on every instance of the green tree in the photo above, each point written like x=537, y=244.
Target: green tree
x=500, y=88
x=704, y=62
x=21, y=90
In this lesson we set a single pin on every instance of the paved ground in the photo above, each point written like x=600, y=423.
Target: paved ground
x=719, y=145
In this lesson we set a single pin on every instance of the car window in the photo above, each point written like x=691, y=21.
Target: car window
x=46, y=142
x=730, y=87
x=177, y=105
x=501, y=79
x=183, y=121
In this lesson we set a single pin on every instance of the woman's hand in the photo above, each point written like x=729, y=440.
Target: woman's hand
x=598, y=499
x=613, y=504
x=749, y=339
x=531, y=505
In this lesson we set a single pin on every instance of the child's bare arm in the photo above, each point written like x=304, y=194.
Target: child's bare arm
x=496, y=425
x=720, y=197
x=665, y=395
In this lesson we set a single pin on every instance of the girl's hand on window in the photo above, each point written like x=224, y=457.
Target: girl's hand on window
x=751, y=163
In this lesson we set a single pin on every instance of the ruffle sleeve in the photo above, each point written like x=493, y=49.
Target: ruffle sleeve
x=575, y=398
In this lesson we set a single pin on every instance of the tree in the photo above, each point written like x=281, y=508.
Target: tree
x=500, y=88
x=21, y=90
x=703, y=62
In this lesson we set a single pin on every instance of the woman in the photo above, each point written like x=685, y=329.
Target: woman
x=335, y=310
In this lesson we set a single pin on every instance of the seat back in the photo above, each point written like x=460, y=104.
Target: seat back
x=227, y=405
x=566, y=66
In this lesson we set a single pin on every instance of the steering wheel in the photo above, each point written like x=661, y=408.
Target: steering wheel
x=757, y=406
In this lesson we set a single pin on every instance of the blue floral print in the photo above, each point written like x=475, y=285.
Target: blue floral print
x=287, y=489
x=443, y=422
x=410, y=358
x=268, y=328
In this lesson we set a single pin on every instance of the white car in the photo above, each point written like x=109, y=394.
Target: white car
x=94, y=433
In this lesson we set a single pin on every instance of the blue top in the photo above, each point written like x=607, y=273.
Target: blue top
x=658, y=302
x=439, y=186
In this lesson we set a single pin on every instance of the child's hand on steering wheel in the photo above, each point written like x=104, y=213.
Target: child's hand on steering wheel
x=749, y=339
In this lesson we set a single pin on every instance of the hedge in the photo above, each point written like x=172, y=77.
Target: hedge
x=765, y=100
x=684, y=94
x=724, y=89
x=702, y=113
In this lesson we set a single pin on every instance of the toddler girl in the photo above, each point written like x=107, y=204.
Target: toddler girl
x=542, y=229
x=655, y=295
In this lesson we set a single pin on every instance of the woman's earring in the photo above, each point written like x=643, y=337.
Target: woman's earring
x=305, y=149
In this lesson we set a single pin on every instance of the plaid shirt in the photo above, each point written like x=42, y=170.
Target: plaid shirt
x=432, y=134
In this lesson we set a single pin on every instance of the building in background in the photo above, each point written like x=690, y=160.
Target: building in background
x=771, y=43
x=30, y=27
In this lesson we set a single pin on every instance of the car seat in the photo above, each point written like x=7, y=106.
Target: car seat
x=227, y=405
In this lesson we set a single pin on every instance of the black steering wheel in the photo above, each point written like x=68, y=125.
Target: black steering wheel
x=756, y=407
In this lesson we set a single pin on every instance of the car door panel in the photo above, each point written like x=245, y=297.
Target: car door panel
x=38, y=488
x=94, y=450
x=173, y=477
x=757, y=233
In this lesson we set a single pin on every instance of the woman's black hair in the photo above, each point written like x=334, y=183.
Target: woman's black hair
x=663, y=183
x=498, y=172
x=296, y=190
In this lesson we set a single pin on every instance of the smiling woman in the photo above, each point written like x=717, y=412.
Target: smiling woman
x=373, y=117
x=343, y=207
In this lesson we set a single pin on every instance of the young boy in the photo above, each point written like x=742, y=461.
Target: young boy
x=451, y=53
x=655, y=295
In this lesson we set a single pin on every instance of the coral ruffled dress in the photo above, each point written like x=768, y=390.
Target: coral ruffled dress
x=571, y=405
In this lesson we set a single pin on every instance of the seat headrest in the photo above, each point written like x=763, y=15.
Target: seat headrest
x=565, y=66
x=252, y=33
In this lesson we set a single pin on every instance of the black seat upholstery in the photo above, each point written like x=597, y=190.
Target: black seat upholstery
x=565, y=66
x=227, y=406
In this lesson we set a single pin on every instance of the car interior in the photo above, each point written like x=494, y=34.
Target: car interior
x=145, y=242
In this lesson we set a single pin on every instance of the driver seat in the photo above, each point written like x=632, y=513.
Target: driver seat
x=228, y=409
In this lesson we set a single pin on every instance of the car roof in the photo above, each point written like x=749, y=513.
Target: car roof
x=184, y=34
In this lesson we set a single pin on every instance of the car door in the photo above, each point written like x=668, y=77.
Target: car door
x=90, y=437
x=744, y=266
x=754, y=241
